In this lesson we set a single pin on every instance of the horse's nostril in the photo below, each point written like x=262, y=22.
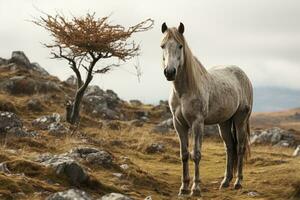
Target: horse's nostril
x=165, y=72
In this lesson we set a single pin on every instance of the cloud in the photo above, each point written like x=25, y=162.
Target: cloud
x=262, y=37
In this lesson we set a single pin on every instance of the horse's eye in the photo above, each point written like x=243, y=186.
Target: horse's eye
x=162, y=46
x=180, y=46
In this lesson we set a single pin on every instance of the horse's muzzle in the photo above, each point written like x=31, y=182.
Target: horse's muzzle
x=170, y=73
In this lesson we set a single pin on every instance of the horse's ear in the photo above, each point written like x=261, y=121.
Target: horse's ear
x=181, y=28
x=164, y=27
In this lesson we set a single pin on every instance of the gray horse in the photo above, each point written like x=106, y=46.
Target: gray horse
x=222, y=95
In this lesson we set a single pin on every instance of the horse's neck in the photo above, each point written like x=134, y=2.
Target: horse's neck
x=181, y=84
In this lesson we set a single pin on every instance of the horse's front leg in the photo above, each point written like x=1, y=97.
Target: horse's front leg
x=182, y=132
x=197, y=132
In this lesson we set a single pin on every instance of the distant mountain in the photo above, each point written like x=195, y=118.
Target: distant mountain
x=275, y=99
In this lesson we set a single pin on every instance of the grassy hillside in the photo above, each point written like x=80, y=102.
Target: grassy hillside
x=271, y=172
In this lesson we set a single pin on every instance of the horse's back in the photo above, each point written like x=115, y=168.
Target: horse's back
x=236, y=79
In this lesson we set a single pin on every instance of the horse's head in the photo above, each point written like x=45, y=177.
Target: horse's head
x=173, y=52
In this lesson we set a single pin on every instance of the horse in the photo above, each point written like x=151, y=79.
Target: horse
x=222, y=95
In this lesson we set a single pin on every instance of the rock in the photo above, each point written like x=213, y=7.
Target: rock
x=3, y=61
x=19, y=132
x=36, y=67
x=66, y=166
x=118, y=175
x=43, y=122
x=148, y=198
x=164, y=127
x=135, y=102
x=101, y=104
x=9, y=120
x=252, y=194
x=275, y=136
x=17, y=85
x=163, y=110
x=155, y=148
x=19, y=60
x=94, y=90
x=115, y=196
x=93, y=156
x=99, y=158
x=35, y=105
x=124, y=166
x=19, y=57
x=57, y=129
x=297, y=152
x=71, y=194
x=72, y=80
x=3, y=168
x=137, y=123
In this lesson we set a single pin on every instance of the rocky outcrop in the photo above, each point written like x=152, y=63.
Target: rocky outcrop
x=71, y=194
x=19, y=60
x=102, y=104
x=26, y=85
x=274, y=136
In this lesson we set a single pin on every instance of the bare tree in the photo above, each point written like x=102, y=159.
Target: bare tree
x=83, y=41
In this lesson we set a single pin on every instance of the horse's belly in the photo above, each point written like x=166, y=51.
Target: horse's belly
x=221, y=114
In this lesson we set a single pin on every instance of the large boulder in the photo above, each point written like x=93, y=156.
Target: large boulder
x=115, y=196
x=103, y=104
x=65, y=166
x=71, y=194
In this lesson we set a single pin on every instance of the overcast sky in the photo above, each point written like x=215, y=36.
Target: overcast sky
x=260, y=36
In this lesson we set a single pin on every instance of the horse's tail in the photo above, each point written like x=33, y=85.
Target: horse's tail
x=248, y=150
x=234, y=148
x=235, y=145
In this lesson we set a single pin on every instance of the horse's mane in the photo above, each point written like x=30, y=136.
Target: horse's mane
x=192, y=66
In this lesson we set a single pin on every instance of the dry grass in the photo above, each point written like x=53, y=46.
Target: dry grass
x=271, y=171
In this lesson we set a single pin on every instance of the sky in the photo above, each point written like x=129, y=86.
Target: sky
x=260, y=36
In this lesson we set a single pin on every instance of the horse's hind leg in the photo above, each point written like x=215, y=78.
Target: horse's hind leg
x=241, y=121
x=227, y=136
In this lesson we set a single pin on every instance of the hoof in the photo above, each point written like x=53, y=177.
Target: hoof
x=196, y=193
x=224, y=184
x=184, y=192
x=237, y=186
